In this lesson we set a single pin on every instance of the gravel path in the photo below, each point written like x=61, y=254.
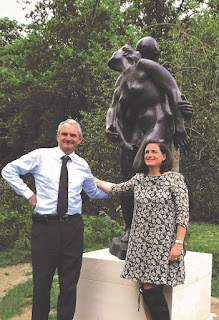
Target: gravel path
x=12, y=275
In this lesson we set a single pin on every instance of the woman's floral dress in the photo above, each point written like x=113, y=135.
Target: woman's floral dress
x=160, y=203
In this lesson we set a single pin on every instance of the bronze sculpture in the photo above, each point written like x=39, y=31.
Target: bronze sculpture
x=147, y=104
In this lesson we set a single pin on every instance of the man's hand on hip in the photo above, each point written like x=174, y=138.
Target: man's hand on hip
x=33, y=200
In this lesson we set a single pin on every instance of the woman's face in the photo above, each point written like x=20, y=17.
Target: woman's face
x=153, y=156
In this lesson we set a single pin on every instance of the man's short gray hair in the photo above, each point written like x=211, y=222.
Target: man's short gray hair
x=71, y=122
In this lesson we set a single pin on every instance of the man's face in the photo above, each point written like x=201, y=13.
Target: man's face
x=68, y=138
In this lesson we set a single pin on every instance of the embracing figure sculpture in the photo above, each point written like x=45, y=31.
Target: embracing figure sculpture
x=147, y=104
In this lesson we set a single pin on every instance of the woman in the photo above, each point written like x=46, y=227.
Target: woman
x=155, y=255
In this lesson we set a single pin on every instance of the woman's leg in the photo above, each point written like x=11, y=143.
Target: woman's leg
x=155, y=302
x=142, y=287
x=146, y=311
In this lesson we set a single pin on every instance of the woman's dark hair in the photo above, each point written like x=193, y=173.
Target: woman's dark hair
x=166, y=165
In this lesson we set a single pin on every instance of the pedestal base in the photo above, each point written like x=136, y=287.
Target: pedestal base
x=103, y=295
x=118, y=248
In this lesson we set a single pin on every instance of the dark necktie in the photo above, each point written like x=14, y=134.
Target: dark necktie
x=62, y=205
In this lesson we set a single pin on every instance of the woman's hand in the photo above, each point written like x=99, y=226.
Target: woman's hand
x=175, y=252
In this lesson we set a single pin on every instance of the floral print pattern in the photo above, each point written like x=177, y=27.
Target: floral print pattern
x=160, y=203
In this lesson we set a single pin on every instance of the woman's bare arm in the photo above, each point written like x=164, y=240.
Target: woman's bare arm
x=104, y=185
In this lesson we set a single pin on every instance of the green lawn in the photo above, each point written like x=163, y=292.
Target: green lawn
x=202, y=237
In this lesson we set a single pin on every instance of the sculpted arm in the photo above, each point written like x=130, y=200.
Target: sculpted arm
x=167, y=84
x=113, y=124
x=111, y=131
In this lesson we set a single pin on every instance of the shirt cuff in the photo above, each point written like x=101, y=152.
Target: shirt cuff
x=28, y=193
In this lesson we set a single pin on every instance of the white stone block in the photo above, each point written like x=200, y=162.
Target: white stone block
x=103, y=295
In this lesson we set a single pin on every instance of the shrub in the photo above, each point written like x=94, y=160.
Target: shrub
x=15, y=219
x=100, y=230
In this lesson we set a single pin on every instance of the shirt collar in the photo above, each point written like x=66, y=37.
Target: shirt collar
x=61, y=153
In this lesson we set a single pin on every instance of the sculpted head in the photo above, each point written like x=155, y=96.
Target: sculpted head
x=130, y=54
x=125, y=54
x=148, y=48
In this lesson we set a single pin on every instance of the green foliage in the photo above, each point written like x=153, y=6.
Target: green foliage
x=56, y=71
x=194, y=59
x=14, y=256
x=59, y=70
x=15, y=219
x=102, y=156
x=100, y=230
x=10, y=30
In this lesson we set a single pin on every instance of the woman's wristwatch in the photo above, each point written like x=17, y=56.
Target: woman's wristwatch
x=179, y=241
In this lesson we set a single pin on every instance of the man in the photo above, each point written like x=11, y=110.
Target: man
x=57, y=229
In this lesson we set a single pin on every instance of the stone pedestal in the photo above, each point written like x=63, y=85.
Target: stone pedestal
x=103, y=295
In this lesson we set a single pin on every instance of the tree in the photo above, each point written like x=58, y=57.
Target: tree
x=194, y=62
x=10, y=30
x=157, y=17
x=59, y=70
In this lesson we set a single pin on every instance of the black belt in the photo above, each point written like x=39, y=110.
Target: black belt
x=36, y=217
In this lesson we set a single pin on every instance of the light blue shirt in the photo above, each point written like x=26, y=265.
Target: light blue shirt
x=45, y=165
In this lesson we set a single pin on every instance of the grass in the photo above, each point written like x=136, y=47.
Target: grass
x=16, y=299
x=20, y=297
x=13, y=257
x=202, y=237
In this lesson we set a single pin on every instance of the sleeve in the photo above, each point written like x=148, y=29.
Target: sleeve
x=181, y=200
x=90, y=187
x=13, y=170
x=124, y=187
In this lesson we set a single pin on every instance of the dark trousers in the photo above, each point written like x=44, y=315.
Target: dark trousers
x=56, y=245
